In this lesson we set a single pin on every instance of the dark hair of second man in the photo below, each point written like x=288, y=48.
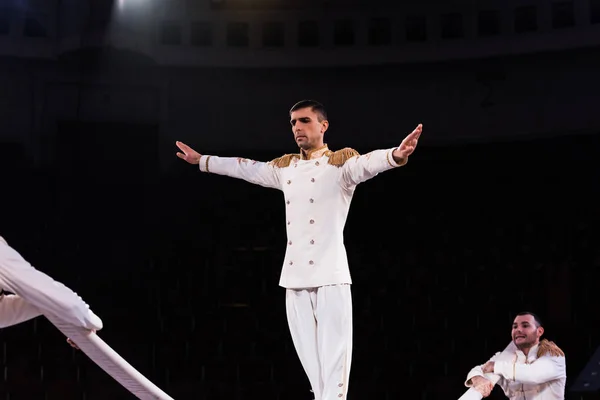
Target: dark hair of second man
x=537, y=319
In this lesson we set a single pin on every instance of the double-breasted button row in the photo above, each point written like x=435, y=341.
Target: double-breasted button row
x=316, y=163
x=309, y=200
x=311, y=262
x=311, y=221
x=289, y=181
x=290, y=242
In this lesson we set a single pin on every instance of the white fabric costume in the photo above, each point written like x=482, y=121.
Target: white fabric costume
x=541, y=375
x=36, y=293
x=318, y=189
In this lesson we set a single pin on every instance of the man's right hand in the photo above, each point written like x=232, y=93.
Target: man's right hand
x=190, y=155
x=482, y=385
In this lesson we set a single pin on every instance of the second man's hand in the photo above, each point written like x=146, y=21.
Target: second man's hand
x=482, y=385
x=190, y=155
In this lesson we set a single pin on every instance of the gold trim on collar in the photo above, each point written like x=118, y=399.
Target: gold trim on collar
x=336, y=158
x=314, y=153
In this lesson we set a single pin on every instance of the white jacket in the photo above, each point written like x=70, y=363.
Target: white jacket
x=318, y=189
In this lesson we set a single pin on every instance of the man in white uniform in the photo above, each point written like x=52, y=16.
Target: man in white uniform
x=35, y=293
x=528, y=369
x=318, y=185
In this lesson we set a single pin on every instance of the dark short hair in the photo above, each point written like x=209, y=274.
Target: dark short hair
x=314, y=105
x=537, y=319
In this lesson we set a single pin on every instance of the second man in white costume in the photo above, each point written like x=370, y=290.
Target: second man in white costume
x=528, y=369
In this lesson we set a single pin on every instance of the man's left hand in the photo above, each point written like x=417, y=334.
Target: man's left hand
x=408, y=146
x=488, y=367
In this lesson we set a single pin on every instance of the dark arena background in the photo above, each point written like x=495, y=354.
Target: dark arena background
x=496, y=212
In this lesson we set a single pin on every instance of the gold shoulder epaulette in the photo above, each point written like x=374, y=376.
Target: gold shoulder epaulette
x=283, y=161
x=339, y=158
x=548, y=347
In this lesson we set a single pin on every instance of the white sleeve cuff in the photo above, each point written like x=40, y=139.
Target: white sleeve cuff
x=203, y=165
x=390, y=158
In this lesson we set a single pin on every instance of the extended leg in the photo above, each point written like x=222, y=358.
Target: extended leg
x=303, y=328
x=334, y=332
x=41, y=291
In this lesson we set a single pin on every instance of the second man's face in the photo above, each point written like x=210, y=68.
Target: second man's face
x=525, y=332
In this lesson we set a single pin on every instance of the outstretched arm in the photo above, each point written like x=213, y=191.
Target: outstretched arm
x=14, y=310
x=42, y=292
x=256, y=172
x=362, y=168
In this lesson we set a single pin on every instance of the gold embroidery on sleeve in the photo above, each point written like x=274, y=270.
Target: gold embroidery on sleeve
x=390, y=158
x=339, y=158
x=207, y=158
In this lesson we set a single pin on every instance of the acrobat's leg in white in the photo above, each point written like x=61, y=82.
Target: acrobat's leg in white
x=300, y=307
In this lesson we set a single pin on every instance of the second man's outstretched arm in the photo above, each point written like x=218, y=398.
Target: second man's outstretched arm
x=258, y=173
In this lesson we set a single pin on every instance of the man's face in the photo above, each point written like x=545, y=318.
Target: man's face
x=308, y=131
x=525, y=332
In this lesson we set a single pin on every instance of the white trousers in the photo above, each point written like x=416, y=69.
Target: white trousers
x=320, y=321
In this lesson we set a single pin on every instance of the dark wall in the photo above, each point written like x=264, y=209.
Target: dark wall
x=245, y=110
